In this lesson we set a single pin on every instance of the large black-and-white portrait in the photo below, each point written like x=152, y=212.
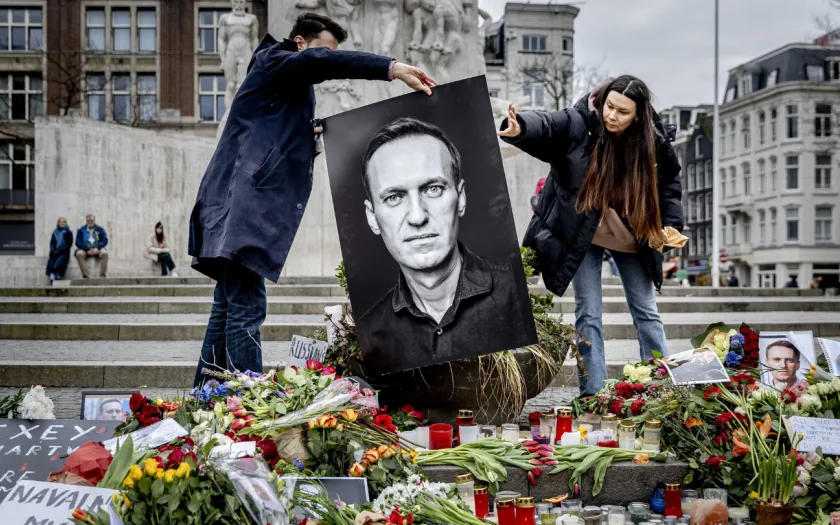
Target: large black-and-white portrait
x=426, y=229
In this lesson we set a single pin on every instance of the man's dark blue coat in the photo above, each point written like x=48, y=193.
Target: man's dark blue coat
x=255, y=190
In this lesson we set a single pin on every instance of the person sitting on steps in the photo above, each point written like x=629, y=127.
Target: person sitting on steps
x=157, y=249
x=61, y=243
x=91, y=240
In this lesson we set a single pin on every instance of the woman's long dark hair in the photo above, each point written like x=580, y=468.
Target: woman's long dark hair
x=622, y=169
x=162, y=235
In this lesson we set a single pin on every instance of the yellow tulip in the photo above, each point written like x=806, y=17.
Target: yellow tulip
x=128, y=482
x=159, y=474
x=350, y=415
x=135, y=472
x=313, y=423
x=753, y=495
x=151, y=466
x=183, y=470
x=126, y=501
x=169, y=477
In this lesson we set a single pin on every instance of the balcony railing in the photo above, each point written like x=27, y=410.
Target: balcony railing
x=17, y=198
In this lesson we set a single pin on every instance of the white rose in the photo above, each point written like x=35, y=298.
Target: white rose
x=835, y=384
x=629, y=370
x=809, y=401
x=644, y=380
x=812, y=390
x=644, y=371
x=804, y=478
x=837, y=473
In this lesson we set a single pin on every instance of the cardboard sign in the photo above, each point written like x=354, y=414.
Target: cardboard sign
x=152, y=436
x=304, y=349
x=816, y=432
x=40, y=503
x=235, y=450
x=31, y=449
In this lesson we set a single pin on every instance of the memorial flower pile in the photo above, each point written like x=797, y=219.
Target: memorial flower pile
x=33, y=405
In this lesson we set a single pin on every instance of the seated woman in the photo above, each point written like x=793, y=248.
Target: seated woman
x=157, y=249
x=60, y=245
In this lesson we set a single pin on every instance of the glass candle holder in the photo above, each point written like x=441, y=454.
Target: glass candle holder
x=467, y=434
x=610, y=422
x=542, y=433
x=465, y=486
x=564, y=422
x=505, y=495
x=673, y=500
x=651, y=435
x=487, y=431
x=639, y=512
x=716, y=493
x=591, y=517
x=543, y=508
x=571, y=507
x=465, y=417
x=482, y=501
x=627, y=435
x=505, y=511
x=422, y=436
x=548, y=519
x=615, y=516
x=440, y=436
x=689, y=496
x=525, y=511
x=510, y=432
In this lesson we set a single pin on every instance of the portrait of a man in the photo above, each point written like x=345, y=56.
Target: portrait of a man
x=106, y=405
x=111, y=410
x=696, y=366
x=426, y=229
x=784, y=361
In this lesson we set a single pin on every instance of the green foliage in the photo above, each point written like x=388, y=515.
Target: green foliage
x=10, y=404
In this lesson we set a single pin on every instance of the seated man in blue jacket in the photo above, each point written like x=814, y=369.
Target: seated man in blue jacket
x=256, y=187
x=91, y=240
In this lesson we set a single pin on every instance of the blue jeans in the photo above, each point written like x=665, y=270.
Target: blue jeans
x=640, y=293
x=56, y=266
x=232, y=339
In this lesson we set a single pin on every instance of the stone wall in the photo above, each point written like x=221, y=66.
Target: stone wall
x=132, y=178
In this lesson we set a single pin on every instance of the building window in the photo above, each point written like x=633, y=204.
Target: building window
x=732, y=182
x=822, y=175
x=147, y=96
x=822, y=122
x=833, y=69
x=761, y=227
x=772, y=77
x=211, y=97
x=698, y=153
x=702, y=238
x=792, y=116
x=773, y=174
x=815, y=73
x=121, y=96
x=747, y=230
x=146, y=30
x=734, y=236
x=208, y=28
x=792, y=172
x=822, y=226
x=691, y=179
x=747, y=175
x=745, y=131
x=792, y=224
x=773, y=118
x=708, y=174
x=723, y=183
x=762, y=176
x=96, y=96
x=96, y=29
x=730, y=95
x=21, y=96
x=533, y=43
x=121, y=30
x=21, y=29
x=762, y=117
x=732, y=136
x=772, y=226
x=17, y=169
x=723, y=230
x=723, y=138
x=745, y=86
x=708, y=205
x=535, y=90
x=567, y=45
x=690, y=209
x=494, y=93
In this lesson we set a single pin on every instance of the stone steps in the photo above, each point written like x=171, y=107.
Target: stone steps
x=182, y=280
x=310, y=305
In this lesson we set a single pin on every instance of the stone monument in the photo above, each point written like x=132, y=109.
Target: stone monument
x=238, y=38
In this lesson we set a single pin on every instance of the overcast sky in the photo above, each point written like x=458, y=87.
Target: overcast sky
x=670, y=43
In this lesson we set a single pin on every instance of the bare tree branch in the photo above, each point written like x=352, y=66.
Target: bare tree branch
x=562, y=81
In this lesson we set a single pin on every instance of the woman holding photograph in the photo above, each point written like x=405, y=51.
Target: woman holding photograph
x=614, y=184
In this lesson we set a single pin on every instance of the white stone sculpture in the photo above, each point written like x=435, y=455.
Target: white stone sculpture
x=436, y=34
x=387, y=25
x=345, y=12
x=237, y=40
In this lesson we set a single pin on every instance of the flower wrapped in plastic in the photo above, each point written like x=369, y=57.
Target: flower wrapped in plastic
x=257, y=488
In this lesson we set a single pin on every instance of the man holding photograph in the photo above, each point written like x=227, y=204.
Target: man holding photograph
x=446, y=297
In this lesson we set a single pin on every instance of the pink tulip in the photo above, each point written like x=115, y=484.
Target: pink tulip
x=550, y=462
x=240, y=412
x=233, y=403
x=545, y=453
x=237, y=425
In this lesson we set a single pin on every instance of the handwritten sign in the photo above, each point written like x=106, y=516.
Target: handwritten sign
x=816, y=432
x=38, y=502
x=304, y=349
x=152, y=436
x=31, y=449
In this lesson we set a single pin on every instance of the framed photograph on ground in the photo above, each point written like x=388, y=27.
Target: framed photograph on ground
x=697, y=366
x=106, y=405
x=426, y=229
x=785, y=359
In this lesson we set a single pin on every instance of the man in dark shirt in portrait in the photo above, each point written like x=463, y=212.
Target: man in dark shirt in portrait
x=448, y=303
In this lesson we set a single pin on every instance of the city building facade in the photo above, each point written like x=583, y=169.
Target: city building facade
x=529, y=55
x=146, y=63
x=779, y=163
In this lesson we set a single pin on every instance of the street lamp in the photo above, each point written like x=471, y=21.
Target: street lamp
x=715, y=262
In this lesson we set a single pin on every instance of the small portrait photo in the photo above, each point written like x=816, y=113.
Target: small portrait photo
x=831, y=350
x=106, y=406
x=697, y=366
x=426, y=229
x=786, y=358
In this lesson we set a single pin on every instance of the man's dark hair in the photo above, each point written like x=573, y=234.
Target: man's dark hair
x=785, y=344
x=310, y=25
x=408, y=127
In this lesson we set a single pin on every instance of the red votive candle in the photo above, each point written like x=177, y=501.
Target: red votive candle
x=564, y=423
x=506, y=512
x=525, y=511
x=673, y=499
x=465, y=417
x=440, y=436
x=482, y=501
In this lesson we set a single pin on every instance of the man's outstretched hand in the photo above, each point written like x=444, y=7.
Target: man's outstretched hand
x=414, y=77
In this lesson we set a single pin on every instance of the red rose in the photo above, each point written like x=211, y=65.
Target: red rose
x=715, y=461
x=312, y=364
x=637, y=406
x=624, y=389
x=160, y=462
x=534, y=418
x=416, y=414
x=617, y=406
x=150, y=411
x=148, y=421
x=407, y=408
x=327, y=370
x=175, y=458
x=137, y=402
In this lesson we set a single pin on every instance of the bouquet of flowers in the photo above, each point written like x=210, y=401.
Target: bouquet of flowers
x=34, y=405
x=736, y=348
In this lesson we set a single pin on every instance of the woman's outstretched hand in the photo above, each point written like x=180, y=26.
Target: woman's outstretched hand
x=513, y=129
